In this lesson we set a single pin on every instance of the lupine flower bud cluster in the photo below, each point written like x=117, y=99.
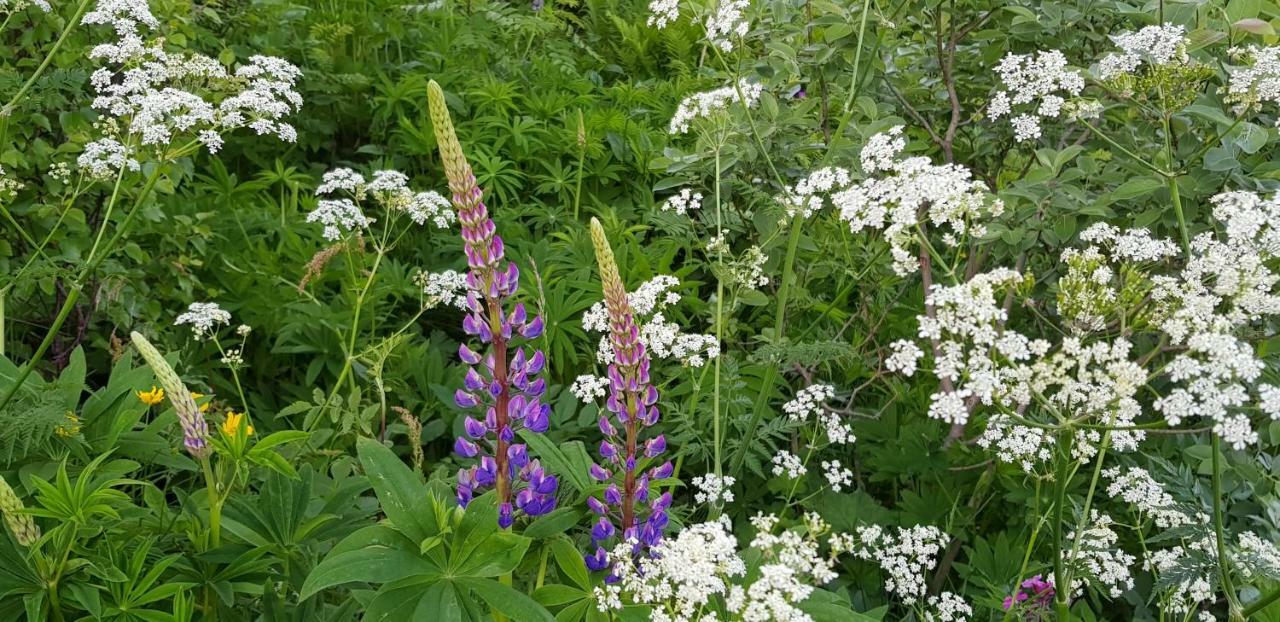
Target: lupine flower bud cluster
x=195, y=432
x=502, y=380
x=628, y=508
x=23, y=527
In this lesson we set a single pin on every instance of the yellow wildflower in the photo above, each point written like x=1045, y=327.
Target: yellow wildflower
x=70, y=428
x=152, y=397
x=204, y=408
x=233, y=422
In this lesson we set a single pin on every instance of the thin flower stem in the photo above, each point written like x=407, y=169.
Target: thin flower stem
x=1224, y=571
x=1061, y=605
x=77, y=285
x=715, y=399
x=847, y=112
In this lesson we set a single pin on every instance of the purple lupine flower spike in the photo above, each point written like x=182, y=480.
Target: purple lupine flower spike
x=640, y=520
x=500, y=379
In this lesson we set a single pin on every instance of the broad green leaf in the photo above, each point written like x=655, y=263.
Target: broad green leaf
x=402, y=494
x=507, y=601
x=373, y=564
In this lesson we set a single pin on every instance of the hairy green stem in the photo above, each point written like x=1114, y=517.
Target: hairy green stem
x=1061, y=477
x=715, y=399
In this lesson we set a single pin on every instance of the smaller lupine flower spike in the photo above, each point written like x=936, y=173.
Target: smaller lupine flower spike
x=629, y=463
x=21, y=524
x=502, y=378
x=195, y=432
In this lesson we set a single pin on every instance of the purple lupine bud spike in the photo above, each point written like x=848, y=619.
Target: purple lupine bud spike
x=472, y=381
x=598, y=473
x=602, y=530
x=533, y=329
x=487, y=473
x=464, y=399
x=596, y=506
x=598, y=560
x=515, y=408
x=518, y=455
x=467, y=355
x=465, y=448
x=505, y=517
x=473, y=427
x=539, y=420
x=655, y=446
x=662, y=472
x=536, y=363
x=537, y=387
x=607, y=428
x=612, y=495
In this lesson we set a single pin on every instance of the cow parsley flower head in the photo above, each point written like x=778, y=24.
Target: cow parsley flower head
x=1035, y=84
x=907, y=189
x=947, y=607
x=906, y=354
x=1257, y=81
x=728, y=23
x=1153, y=46
x=204, y=318
x=683, y=202
x=338, y=217
x=448, y=287
x=711, y=103
x=663, y=12
x=13, y=6
x=713, y=489
x=105, y=157
x=806, y=197
x=788, y=464
x=906, y=555
x=589, y=389
x=1098, y=562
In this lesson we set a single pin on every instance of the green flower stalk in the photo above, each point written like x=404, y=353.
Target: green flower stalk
x=24, y=528
x=195, y=432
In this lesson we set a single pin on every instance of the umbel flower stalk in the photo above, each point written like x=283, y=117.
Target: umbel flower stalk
x=502, y=380
x=23, y=526
x=633, y=403
x=195, y=432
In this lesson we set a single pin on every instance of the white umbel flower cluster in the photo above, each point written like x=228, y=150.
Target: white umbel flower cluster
x=710, y=103
x=906, y=555
x=1097, y=561
x=728, y=23
x=1035, y=85
x=1012, y=443
x=589, y=389
x=1136, y=487
x=1258, y=81
x=699, y=575
x=662, y=338
x=153, y=98
x=806, y=197
x=947, y=607
x=713, y=489
x=907, y=189
x=388, y=189
x=683, y=202
x=448, y=287
x=204, y=318
x=808, y=405
x=1153, y=46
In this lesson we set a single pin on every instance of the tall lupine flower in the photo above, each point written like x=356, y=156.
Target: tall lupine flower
x=195, y=433
x=633, y=402
x=504, y=380
x=24, y=528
